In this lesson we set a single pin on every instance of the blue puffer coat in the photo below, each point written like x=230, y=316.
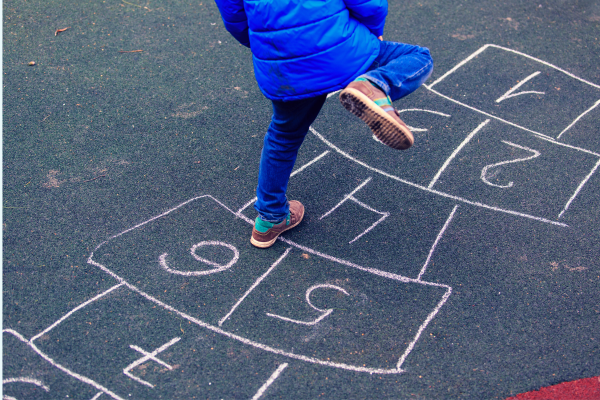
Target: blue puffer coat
x=304, y=48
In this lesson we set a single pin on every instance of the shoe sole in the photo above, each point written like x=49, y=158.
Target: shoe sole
x=384, y=127
x=264, y=245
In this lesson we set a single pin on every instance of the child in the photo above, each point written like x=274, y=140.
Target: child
x=302, y=50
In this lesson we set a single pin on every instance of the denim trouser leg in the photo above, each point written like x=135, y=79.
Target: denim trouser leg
x=400, y=68
x=289, y=125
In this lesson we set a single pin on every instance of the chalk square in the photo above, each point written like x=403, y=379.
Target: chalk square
x=511, y=169
x=519, y=89
x=190, y=363
x=354, y=317
x=160, y=258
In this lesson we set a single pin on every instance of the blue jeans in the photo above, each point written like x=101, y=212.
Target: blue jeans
x=398, y=70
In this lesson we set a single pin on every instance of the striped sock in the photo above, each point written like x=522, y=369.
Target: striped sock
x=384, y=102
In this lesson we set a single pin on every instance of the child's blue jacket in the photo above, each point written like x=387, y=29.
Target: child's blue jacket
x=304, y=48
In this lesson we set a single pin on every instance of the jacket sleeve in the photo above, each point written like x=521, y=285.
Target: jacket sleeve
x=370, y=13
x=235, y=19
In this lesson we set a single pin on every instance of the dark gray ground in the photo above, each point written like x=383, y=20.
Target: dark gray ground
x=96, y=142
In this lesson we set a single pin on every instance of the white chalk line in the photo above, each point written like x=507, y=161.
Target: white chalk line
x=430, y=317
x=7, y=397
x=162, y=215
x=455, y=152
x=254, y=285
x=437, y=239
x=511, y=92
x=360, y=203
x=67, y=315
x=269, y=348
x=269, y=381
x=476, y=53
x=62, y=368
x=510, y=184
x=148, y=357
x=581, y=185
x=302, y=168
x=538, y=134
x=370, y=228
x=487, y=114
x=460, y=64
x=252, y=343
x=324, y=313
x=412, y=128
x=24, y=379
x=578, y=118
x=437, y=192
x=162, y=260
x=97, y=396
x=346, y=197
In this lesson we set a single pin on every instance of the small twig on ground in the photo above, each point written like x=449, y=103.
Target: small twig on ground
x=60, y=30
x=131, y=4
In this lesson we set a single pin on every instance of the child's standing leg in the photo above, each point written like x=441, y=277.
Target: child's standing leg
x=289, y=125
x=398, y=71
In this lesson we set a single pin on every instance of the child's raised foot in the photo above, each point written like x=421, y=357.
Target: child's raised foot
x=372, y=105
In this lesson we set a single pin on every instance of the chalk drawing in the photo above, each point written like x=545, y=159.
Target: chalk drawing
x=578, y=118
x=217, y=267
x=581, y=185
x=148, y=357
x=24, y=379
x=485, y=169
x=324, y=313
x=456, y=151
x=97, y=396
x=432, y=191
x=437, y=239
x=511, y=92
x=269, y=381
x=274, y=350
x=360, y=203
x=422, y=110
x=254, y=285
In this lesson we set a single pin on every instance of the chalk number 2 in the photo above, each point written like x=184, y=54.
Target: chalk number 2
x=486, y=175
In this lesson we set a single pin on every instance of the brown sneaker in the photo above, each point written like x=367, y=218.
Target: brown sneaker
x=360, y=97
x=266, y=239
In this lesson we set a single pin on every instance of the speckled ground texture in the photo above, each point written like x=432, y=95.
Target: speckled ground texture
x=463, y=268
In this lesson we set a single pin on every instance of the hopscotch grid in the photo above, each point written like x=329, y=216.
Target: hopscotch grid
x=432, y=191
x=484, y=47
x=346, y=197
x=539, y=135
x=269, y=381
x=486, y=113
x=62, y=368
x=579, y=188
x=455, y=152
x=254, y=285
x=286, y=353
x=479, y=51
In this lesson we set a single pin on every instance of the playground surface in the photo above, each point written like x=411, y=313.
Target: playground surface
x=469, y=269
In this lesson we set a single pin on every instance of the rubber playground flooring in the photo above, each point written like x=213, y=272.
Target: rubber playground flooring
x=464, y=267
